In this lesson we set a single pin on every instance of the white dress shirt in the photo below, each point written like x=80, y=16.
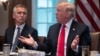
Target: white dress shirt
x=67, y=28
x=15, y=32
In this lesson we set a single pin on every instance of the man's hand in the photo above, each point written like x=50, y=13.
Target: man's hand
x=29, y=41
x=75, y=43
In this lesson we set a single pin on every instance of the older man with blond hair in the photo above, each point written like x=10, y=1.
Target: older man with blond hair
x=65, y=37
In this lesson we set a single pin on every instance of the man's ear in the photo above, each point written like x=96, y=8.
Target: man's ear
x=70, y=12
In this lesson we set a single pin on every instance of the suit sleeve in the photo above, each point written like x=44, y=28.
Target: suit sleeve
x=5, y=37
x=85, y=39
x=35, y=34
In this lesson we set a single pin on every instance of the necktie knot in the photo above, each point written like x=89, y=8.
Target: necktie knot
x=64, y=25
x=18, y=28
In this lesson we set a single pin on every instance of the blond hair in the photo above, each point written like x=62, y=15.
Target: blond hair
x=68, y=7
x=66, y=4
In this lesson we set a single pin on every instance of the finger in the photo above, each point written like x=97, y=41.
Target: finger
x=22, y=40
x=73, y=45
x=21, y=37
x=31, y=37
x=77, y=37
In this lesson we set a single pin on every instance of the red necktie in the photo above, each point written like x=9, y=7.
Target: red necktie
x=60, y=50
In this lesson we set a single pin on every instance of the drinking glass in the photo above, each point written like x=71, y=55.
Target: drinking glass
x=6, y=49
x=85, y=50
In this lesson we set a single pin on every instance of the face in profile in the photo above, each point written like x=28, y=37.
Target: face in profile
x=63, y=13
x=60, y=14
x=20, y=14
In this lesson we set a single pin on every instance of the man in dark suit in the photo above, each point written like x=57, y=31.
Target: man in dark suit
x=19, y=15
x=74, y=34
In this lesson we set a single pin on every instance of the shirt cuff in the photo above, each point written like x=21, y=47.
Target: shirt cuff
x=35, y=45
x=76, y=50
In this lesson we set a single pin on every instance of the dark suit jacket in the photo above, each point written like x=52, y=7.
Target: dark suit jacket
x=9, y=33
x=76, y=29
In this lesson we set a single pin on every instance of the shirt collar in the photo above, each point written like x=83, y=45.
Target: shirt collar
x=21, y=26
x=68, y=24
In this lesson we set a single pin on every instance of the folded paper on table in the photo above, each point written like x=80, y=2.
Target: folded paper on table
x=25, y=52
x=11, y=53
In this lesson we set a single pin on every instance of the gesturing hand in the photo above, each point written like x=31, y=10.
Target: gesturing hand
x=75, y=42
x=29, y=41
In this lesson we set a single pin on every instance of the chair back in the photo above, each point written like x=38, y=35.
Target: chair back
x=95, y=37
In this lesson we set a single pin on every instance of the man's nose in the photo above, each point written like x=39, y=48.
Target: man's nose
x=22, y=14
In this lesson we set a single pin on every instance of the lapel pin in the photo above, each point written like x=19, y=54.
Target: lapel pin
x=73, y=29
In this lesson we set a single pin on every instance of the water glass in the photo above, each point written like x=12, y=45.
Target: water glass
x=85, y=50
x=98, y=54
x=6, y=49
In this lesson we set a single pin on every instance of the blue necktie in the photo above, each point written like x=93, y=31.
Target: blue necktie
x=16, y=40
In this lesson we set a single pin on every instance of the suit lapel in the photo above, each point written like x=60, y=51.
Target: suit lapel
x=72, y=34
x=11, y=35
x=57, y=33
x=23, y=33
x=26, y=31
